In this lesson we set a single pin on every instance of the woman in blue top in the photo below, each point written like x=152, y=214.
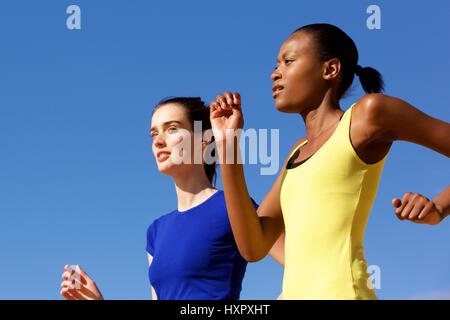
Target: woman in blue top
x=191, y=250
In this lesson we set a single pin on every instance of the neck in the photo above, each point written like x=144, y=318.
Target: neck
x=192, y=187
x=322, y=117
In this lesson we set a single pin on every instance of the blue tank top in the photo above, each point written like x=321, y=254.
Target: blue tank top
x=194, y=254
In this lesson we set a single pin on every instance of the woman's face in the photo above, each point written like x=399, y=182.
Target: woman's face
x=297, y=80
x=169, y=128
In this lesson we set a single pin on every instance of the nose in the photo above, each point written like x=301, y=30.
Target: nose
x=276, y=75
x=159, y=141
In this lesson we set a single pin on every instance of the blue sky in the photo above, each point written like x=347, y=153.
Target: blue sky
x=78, y=182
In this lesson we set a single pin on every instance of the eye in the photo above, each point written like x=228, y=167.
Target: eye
x=288, y=61
x=153, y=135
x=172, y=129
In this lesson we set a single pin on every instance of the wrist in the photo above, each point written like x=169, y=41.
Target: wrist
x=229, y=152
x=441, y=210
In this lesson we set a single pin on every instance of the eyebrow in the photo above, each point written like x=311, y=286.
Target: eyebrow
x=286, y=53
x=165, y=124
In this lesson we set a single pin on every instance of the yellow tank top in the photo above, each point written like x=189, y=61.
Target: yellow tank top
x=326, y=202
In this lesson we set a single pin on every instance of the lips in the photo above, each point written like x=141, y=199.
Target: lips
x=276, y=89
x=162, y=155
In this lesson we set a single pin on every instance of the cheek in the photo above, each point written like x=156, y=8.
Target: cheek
x=174, y=139
x=303, y=81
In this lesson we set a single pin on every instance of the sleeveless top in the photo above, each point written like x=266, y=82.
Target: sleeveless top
x=326, y=201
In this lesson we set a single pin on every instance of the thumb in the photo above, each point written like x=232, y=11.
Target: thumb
x=81, y=271
x=85, y=279
x=396, y=202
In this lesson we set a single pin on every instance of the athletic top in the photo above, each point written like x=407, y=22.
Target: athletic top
x=326, y=201
x=194, y=254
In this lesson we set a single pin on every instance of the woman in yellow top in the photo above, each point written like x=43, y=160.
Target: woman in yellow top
x=326, y=188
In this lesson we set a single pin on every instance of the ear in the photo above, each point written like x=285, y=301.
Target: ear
x=207, y=138
x=331, y=69
x=205, y=143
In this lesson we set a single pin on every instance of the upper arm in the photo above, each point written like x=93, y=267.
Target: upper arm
x=390, y=119
x=150, y=259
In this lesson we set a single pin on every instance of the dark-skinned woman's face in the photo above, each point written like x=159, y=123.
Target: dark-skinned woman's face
x=297, y=80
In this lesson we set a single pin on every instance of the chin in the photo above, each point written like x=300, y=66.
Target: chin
x=284, y=107
x=165, y=167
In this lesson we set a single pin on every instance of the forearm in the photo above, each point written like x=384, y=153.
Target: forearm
x=443, y=200
x=245, y=223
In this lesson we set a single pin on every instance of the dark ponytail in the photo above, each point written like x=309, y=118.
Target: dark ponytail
x=332, y=43
x=196, y=110
x=371, y=80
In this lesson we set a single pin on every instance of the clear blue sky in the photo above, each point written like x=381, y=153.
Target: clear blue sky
x=78, y=182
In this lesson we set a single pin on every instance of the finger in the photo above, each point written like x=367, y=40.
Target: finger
x=224, y=104
x=226, y=108
x=66, y=275
x=84, y=277
x=74, y=284
x=69, y=269
x=65, y=293
x=415, y=211
x=229, y=98
x=220, y=101
x=81, y=271
x=396, y=202
x=212, y=106
x=429, y=207
x=215, y=107
x=408, y=207
x=76, y=294
x=215, y=111
x=236, y=98
x=404, y=202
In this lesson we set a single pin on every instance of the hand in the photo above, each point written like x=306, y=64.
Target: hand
x=77, y=285
x=418, y=209
x=226, y=115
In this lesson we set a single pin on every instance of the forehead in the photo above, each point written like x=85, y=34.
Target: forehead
x=169, y=112
x=297, y=42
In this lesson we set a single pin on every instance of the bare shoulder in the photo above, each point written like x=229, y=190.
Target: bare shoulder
x=369, y=119
x=368, y=133
x=370, y=108
x=379, y=120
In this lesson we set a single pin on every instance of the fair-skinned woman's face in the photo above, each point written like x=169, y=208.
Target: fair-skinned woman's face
x=172, y=133
x=297, y=79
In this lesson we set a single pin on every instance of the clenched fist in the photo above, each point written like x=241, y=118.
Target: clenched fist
x=418, y=208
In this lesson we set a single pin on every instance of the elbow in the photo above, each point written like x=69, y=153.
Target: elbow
x=250, y=256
